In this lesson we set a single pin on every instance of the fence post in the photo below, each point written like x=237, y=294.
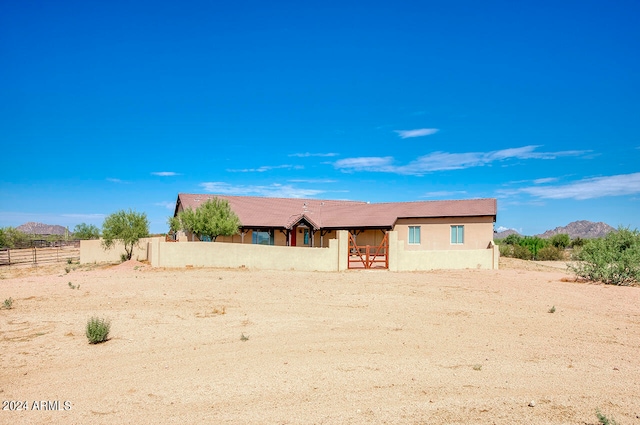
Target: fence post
x=35, y=260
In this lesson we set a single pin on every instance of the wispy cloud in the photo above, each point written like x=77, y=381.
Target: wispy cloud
x=166, y=204
x=444, y=193
x=265, y=168
x=85, y=216
x=309, y=154
x=367, y=163
x=165, y=173
x=312, y=181
x=590, y=188
x=443, y=161
x=273, y=191
x=406, y=134
x=545, y=180
x=112, y=180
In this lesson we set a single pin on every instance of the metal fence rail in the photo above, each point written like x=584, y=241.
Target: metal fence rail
x=38, y=255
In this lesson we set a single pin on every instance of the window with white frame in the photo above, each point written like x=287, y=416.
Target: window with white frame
x=457, y=235
x=414, y=235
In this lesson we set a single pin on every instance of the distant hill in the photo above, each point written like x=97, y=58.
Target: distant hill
x=504, y=234
x=32, y=228
x=583, y=229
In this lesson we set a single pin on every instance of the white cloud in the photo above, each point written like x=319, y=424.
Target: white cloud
x=112, y=180
x=442, y=161
x=167, y=205
x=444, y=193
x=85, y=216
x=273, y=191
x=597, y=187
x=365, y=164
x=165, y=173
x=312, y=181
x=308, y=154
x=545, y=180
x=406, y=134
x=264, y=168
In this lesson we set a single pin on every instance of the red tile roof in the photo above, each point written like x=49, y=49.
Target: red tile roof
x=257, y=212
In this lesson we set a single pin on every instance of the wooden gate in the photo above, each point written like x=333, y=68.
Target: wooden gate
x=368, y=257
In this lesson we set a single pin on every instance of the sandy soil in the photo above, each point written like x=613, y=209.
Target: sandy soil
x=360, y=347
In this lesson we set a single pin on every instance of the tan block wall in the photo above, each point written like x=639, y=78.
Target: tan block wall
x=92, y=252
x=435, y=233
x=208, y=254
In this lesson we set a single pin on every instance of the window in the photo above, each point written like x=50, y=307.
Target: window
x=262, y=238
x=457, y=234
x=414, y=235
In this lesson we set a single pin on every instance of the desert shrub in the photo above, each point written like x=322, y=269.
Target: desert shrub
x=614, y=259
x=97, y=330
x=561, y=240
x=512, y=239
x=8, y=303
x=550, y=253
x=605, y=420
x=506, y=250
x=522, y=252
x=577, y=242
x=534, y=244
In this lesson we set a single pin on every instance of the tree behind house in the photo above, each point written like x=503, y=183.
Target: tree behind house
x=211, y=219
x=86, y=231
x=127, y=227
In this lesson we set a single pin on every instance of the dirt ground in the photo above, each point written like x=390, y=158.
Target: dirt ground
x=361, y=347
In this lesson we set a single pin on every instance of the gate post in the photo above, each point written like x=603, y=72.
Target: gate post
x=392, y=254
x=343, y=249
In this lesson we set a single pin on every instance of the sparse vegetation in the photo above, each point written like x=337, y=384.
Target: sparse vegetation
x=243, y=337
x=536, y=248
x=550, y=253
x=604, y=420
x=614, y=259
x=72, y=286
x=552, y=309
x=97, y=330
x=8, y=303
x=477, y=367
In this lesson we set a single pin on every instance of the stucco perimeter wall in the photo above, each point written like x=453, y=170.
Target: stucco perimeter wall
x=404, y=260
x=261, y=257
x=92, y=251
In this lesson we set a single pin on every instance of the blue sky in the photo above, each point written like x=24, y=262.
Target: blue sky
x=117, y=105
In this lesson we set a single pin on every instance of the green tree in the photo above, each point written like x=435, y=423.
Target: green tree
x=561, y=240
x=533, y=244
x=614, y=259
x=211, y=219
x=127, y=227
x=10, y=237
x=512, y=239
x=86, y=231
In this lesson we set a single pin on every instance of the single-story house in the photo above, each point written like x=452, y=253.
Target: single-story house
x=422, y=225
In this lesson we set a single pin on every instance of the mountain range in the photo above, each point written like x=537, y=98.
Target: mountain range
x=32, y=228
x=577, y=229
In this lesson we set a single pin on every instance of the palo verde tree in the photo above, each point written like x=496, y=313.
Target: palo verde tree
x=127, y=227
x=86, y=231
x=614, y=259
x=211, y=219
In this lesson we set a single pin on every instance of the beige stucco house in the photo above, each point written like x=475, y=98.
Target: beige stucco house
x=422, y=225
